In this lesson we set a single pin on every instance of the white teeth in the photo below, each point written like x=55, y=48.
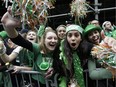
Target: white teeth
x=96, y=38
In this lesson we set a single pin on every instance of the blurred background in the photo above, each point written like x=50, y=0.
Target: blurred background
x=103, y=10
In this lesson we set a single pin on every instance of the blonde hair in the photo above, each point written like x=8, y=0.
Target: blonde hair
x=42, y=40
x=60, y=26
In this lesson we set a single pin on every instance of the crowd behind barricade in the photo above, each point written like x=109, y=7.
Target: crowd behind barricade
x=67, y=51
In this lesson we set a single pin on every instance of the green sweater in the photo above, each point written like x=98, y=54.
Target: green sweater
x=97, y=73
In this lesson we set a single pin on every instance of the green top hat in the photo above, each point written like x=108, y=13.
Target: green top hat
x=91, y=27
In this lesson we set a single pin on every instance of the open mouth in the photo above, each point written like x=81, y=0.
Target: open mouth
x=73, y=44
x=96, y=39
x=52, y=45
x=31, y=39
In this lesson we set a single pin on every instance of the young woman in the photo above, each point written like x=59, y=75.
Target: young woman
x=61, y=31
x=71, y=56
x=42, y=52
x=96, y=71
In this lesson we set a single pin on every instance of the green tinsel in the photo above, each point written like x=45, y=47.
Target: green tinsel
x=78, y=71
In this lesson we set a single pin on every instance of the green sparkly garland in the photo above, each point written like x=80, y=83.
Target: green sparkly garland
x=78, y=71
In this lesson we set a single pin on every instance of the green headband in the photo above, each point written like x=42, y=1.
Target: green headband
x=74, y=27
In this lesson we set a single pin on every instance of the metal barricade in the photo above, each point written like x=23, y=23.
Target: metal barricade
x=49, y=82
x=87, y=84
x=24, y=83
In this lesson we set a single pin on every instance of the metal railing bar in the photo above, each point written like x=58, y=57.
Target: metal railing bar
x=16, y=81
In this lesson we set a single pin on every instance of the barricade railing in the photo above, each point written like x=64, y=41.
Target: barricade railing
x=49, y=82
x=97, y=81
x=29, y=83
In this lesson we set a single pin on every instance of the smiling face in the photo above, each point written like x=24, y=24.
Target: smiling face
x=61, y=31
x=108, y=26
x=31, y=36
x=94, y=36
x=51, y=40
x=74, y=39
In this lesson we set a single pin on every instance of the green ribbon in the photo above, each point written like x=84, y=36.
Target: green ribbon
x=41, y=31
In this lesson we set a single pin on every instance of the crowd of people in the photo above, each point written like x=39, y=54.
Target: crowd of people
x=65, y=50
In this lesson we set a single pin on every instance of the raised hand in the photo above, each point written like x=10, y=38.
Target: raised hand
x=9, y=21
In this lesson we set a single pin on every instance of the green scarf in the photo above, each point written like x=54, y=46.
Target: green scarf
x=78, y=71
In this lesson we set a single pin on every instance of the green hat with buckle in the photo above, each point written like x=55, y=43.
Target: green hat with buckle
x=91, y=27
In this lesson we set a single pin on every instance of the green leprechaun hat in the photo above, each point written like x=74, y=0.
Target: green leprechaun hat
x=89, y=28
